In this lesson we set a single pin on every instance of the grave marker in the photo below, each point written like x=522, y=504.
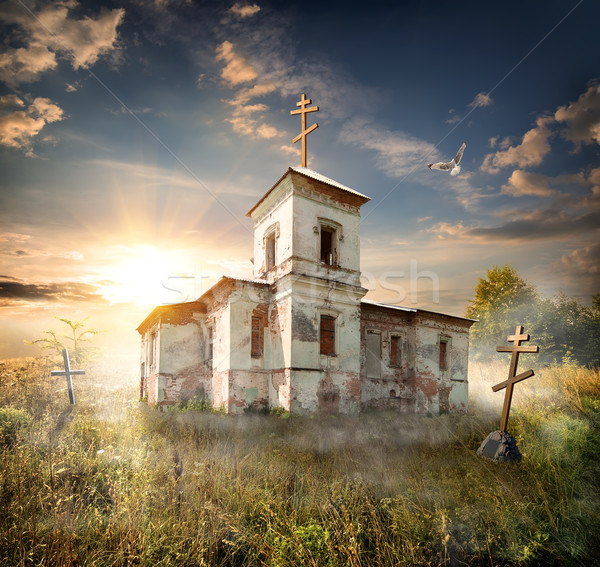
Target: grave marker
x=68, y=373
x=501, y=445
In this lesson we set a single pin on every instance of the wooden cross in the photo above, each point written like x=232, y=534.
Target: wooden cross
x=512, y=378
x=302, y=111
x=68, y=373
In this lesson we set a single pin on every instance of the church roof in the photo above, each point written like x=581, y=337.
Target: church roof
x=171, y=310
x=413, y=310
x=309, y=173
x=388, y=306
x=315, y=175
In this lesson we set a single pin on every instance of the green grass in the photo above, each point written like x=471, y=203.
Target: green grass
x=112, y=482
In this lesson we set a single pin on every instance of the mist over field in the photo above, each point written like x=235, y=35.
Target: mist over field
x=111, y=481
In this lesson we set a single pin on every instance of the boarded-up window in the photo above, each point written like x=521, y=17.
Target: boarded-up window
x=270, y=251
x=328, y=245
x=256, y=350
x=373, y=362
x=327, y=335
x=395, y=351
x=443, y=354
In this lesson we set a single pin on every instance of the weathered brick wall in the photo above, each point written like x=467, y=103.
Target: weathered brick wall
x=417, y=384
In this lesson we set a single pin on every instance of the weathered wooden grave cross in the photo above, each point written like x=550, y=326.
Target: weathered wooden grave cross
x=302, y=111
x=512, y=378
x=68, y=373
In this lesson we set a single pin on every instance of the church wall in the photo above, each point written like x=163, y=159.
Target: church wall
x=220, y=322
x=249, y=376
x=320, y=382
x=394, y=387
x=280, y=218
x=183, y=373
x=280, y=317
x=249, y=390
x=416, y=383
x=151, y=368
x=308, y=214
x=439, y=390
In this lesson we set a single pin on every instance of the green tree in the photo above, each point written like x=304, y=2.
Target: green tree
x=563, y=328
x=77, y=341
x=501, y=301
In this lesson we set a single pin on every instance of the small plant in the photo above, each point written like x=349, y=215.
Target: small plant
x=12, y=421
x=280, y=411
x=77, y=342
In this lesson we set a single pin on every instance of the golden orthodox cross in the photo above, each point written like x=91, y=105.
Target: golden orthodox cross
x=512, y=378
x=304, y=102
x=68, y=373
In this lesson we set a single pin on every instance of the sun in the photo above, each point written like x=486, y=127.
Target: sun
x=150, y=276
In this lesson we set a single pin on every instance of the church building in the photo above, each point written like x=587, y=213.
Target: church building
x=300, y=335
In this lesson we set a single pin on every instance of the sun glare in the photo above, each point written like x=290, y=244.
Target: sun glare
x=151, y=276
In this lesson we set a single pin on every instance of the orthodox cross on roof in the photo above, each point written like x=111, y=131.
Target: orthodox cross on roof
x=512, y=378
x=68, y=373
x=303, y=110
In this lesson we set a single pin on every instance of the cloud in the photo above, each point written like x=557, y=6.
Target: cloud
x=139, y=175
x=50, y=31
x=583, y=261
x=244, y=10
x=578, y=122
x=445, y=230
x=481, y=100
x=237, y=70
x=19, y=128
x=291, y=150
x=568, y=215
x=523, y=183
x=244, y=119
x=534, y=147
x=398, y=153
x=10, y=101
x=246, y=94
x=15, y=289
x=541, y=224
x=582, y=118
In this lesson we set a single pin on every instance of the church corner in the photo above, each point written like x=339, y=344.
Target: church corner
x=299, y=335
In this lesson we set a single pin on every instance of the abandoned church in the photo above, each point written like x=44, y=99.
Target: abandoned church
x=300, y=335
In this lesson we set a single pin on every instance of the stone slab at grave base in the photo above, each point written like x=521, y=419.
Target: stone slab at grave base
x=500, y=446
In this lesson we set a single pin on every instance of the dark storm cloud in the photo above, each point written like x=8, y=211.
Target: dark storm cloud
x=539, y=228
x=13, y=289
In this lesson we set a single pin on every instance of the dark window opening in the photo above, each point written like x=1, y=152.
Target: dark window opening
x=328, y=246
x=443, y=355
x=256, y=350
x=270, y=251
x=395, y=351
x=327, y=335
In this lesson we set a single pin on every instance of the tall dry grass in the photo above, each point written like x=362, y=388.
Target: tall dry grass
x=112, y=482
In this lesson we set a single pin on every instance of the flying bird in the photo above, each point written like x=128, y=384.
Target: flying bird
x=452, y=165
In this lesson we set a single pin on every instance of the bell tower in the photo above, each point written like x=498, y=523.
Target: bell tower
x=307, y=245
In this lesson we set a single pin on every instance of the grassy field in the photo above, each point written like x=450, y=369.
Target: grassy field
x=112, y=482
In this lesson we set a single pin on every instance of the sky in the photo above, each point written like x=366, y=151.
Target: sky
x=136, y=135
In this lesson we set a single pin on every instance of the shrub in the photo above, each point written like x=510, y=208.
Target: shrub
x=12, y=421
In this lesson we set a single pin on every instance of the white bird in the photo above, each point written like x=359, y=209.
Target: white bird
x=452, y=165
